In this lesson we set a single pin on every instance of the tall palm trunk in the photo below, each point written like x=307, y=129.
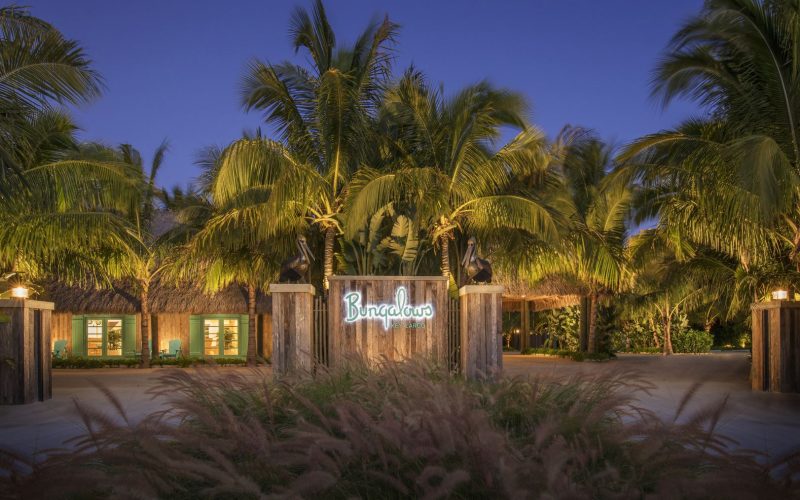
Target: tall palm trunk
x=592, y=343
x=330, y=240
x=668, y=336
x=145, y=323
x=445, y=242
x=251, y=322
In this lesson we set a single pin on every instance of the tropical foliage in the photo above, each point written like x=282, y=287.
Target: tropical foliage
x=385, y=172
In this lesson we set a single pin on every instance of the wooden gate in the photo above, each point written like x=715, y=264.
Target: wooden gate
x=454, y=336
x=320, y=337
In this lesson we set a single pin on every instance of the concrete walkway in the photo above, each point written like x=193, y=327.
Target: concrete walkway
x=760, y=421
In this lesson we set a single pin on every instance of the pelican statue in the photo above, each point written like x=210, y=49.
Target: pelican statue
x=295, y=268
x=477, y=269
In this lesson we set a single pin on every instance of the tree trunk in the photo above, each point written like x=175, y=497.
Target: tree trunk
x=668, y=336
x=655, y=333
x=330, y=240
x=592, y=342
x=445, y=241
x=145, y=325
x=251, y=323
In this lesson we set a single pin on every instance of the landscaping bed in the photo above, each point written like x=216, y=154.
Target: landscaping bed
x=79, y=362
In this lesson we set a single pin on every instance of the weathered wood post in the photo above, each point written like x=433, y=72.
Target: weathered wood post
x=292, y=326
x=25, y=351
x=776, y=346
x=481, y=330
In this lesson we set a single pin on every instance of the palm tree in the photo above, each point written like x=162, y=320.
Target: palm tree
x=321, y=115
x=597, y=205
x=666, y=282
x=40, y=68
x=221, y=227
x=55, y=199
x=150, y=256
x=731, y=181
x=439, y=159
x=64, y=211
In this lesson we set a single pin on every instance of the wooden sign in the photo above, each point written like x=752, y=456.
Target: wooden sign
x=396, y=317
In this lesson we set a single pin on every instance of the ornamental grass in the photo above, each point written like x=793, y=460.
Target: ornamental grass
x=406, y=430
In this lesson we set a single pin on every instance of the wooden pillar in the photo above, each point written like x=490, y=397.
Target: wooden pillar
x=776, y=346
x=292, y=326
x=481, y=325
x=25, y=351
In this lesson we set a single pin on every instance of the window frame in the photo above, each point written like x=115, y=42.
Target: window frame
x=220, y=321
x=104, y=319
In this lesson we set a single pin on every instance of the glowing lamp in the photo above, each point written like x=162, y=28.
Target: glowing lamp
x=780, y=295
x=19, y=292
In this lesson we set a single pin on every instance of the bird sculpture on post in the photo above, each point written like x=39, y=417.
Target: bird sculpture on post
x=295, y=268
x=476, y=269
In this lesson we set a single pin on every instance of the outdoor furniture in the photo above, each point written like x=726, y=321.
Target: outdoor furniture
x=60, y=348
x=173, y=351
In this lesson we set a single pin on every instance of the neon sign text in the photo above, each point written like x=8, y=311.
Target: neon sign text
x=388, y=313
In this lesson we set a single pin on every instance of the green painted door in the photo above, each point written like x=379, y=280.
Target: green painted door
x=79, y=335
x=196, y=335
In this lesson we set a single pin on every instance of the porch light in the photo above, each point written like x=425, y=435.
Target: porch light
x=19, y=292
x=780, y=295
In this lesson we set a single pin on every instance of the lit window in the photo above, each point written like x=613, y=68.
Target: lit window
x=114, y=337
x=94, y=337
x=221, y=336
x=104, y=337
x=211, y=335
x=231, y=337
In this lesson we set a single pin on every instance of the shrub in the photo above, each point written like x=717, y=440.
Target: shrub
x=180, y=361
x=398, y=431
x=574, y=355
x=81, y=362
x=692, y=341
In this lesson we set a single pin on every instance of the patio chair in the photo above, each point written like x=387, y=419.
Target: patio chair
x=175, y=347
x=59, y=348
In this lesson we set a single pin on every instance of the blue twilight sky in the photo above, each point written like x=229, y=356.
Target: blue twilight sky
x=172, y=68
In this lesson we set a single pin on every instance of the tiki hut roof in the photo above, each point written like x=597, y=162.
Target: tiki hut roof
x=550, y=293
x=163, y=299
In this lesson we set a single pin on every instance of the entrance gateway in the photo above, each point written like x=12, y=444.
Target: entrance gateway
x=392, y=318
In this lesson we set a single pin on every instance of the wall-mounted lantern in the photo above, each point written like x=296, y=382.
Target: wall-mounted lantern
x=780, y=295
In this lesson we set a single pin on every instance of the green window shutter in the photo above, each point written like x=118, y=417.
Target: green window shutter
x=244, y=325
x=79, y=335
x=129, y=335
x=196, y=335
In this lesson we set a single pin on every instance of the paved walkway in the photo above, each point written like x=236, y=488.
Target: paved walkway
x=761, y=421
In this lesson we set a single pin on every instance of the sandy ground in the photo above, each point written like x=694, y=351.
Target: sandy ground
x=766, y=422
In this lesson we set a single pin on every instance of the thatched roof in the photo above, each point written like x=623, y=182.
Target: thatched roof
x=550, y=293
x=163, y=299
